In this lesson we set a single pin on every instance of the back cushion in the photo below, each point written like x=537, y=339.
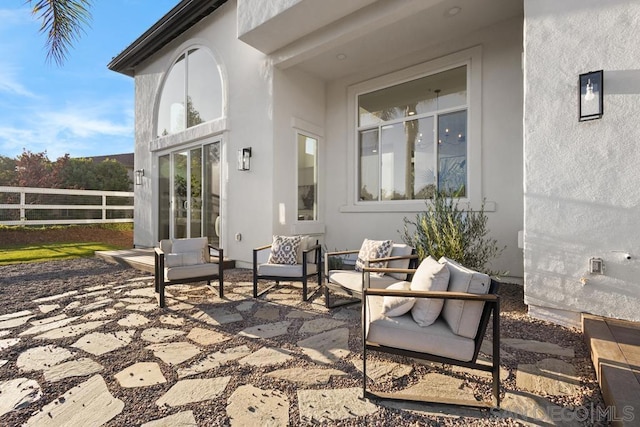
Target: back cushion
x=305, y=243
x=195, y=244
x=430, y=276
x=400, y=249
x=463, y=317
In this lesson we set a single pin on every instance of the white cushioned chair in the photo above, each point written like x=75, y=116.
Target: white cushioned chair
x=287, y=259
x=458, y=328
x=349, y=281
x=189, y=260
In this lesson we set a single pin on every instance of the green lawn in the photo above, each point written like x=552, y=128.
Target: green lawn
x=50, y=252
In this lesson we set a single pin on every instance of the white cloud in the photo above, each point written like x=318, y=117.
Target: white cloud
x=10, y=84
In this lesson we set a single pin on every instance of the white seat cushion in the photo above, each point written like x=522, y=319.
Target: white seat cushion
x=351, y=279
x=463, y=317
x=430, y=276
x=199, y=270
x=403, y=332
x=285, y=270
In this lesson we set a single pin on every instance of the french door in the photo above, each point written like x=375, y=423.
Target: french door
x=189, y=193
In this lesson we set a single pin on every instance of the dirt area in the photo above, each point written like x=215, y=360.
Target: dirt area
x=119, y=238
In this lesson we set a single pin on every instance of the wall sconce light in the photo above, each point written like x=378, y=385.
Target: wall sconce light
x=590, y=95
x=139, y=174
x=244, y=159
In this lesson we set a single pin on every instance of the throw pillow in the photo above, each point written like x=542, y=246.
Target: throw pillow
x=397, y=306
x=371, y=250
x=284, y=250
x=430, y=276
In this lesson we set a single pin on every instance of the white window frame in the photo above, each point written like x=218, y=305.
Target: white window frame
x=472, y=58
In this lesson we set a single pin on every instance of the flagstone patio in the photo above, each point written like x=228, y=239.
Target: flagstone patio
x=104, y=353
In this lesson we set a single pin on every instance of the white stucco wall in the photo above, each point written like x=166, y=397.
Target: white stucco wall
x=246, y=195
x=581, y=178
x=501, y=139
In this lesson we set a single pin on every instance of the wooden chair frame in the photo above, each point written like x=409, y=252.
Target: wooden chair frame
x=303, y=278
x=160, y=281
x=491, y=309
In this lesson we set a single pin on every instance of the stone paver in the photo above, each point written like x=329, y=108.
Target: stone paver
x=55, y=297
x=100, y=314
x=97, y=304
x=441, y=386
x=157, y=335
x=327, y=347
x=245, y=305
x=58, y=322
x=216, y=316
x=548, y=376
x=73, y=368
x=9, y=342
x=317, y=406
x=145, y=308
x=206, y=336
x=133, y=320
x=98, y=343
x=268, y=313
x=536, y=411
x=8, y=316
x=18, y=393
x=181, y=419
x=268, y=330
x=214, y=360
x=300, y=314
x=267, y=356
x=197, y=390
x=306, y=376
x=140, y=375
x=40, y=358
x=377, y=369
x=47, y=308
x=88, y=404
x=538, y=347
x=316, y=326
x=172, y=320
x=72, y=330
x=14, y=322
x=174, y=353
x=249, y=405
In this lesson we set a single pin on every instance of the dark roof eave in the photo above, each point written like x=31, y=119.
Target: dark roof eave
x=183, y=16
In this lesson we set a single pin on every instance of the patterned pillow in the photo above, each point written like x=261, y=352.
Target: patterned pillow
x=373, y=249
x=284, y=250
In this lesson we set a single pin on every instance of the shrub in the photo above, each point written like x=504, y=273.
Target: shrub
x=445, y=229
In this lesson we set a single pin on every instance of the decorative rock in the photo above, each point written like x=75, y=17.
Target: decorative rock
x=549, y=376
x=133, y=320
x=307, y=377
x=74, y=368
x=214, y=360
x=329, y=406
x=98, y=343
x=40, y=358
x=538, y=347
x=63, y=320
x=72, y=330
x=197, y=390
x=268, y=330
x=48, y=308
x=18, y=393
x=157, y=335
x=88, y=404
x=174, y=353
x=319, y=325
x=206, y=336
x=140, y=375
x=55, y=297
x=267, y=356
x=216, y=317
x=181, y=419
x=249, y=405
x=15, y=322
x=327, y=347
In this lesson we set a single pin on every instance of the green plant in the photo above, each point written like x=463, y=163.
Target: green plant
x=335, y=262
x=446, y=229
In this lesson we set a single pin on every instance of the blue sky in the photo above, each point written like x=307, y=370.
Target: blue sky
x=81, y=108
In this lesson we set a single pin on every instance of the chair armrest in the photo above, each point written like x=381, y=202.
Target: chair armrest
x=353, y=251
x=220, y=253
x=433, y=294
x=312, y=248
x=159, y=251
x=262, y=248
x=394, y=258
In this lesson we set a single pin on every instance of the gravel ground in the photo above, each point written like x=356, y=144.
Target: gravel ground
x=20, y=284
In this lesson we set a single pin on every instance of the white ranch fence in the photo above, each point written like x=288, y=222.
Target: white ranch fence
x=48, y=206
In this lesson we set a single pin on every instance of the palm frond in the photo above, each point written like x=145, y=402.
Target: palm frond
x=63, y=21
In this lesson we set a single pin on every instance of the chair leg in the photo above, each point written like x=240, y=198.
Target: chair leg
x=304, y=289
x=220, y=287
x=161, y=291
x=255, y=285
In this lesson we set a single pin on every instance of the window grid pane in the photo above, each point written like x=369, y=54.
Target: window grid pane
x=307, y=178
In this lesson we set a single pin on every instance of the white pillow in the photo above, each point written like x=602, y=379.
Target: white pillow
x=397, y=306
x=182, y=259
x=430, y=276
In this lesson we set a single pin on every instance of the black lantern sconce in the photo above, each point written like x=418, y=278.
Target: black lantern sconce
x=139, y=174
x=590, y=95
x=244, y=159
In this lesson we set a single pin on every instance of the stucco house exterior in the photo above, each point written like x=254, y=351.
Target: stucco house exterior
x=339, y=118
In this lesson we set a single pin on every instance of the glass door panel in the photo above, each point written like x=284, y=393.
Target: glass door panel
x=164, y=196
x=180, y=191
x=194, y=210
x=211, y=193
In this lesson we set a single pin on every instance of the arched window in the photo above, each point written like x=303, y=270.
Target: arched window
x=192, y=92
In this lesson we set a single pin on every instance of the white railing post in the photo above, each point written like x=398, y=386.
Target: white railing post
x=23, y=202
x=104, y=207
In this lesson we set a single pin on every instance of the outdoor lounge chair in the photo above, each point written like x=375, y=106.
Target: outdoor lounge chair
x=349, y=281
x=460, y=315
x=288, y=258
x=189, y=260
